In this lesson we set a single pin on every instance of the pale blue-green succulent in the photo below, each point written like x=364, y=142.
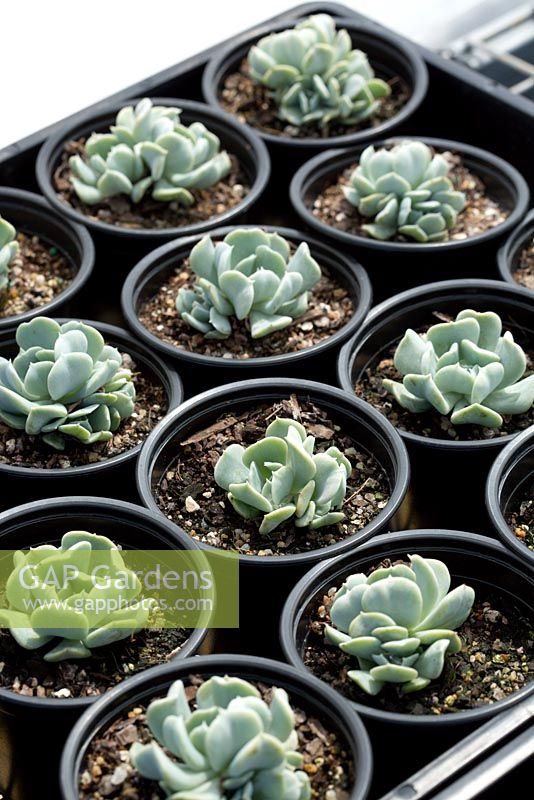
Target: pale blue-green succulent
x=399, y=622
x=252, y=276
x=407, y=191
x=81, y=592
x=315, y=75
x=233, y=746
x=8, y=250
x=65, y=383
x=464, y=368
x=149, y=148
x=279, y=477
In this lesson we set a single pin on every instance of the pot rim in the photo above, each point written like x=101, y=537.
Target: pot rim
x=145, y=270
x=48, y=154
x=250, y=666
x=215, y=71
x=336, y=160
x=173, y=389
x=502, y=466
x=295, y=602
x=258, y=387
x=103, y=507
x=78, y=235
x=348, y=350
x=515, y=241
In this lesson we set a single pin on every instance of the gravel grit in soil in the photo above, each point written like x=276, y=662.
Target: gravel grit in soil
x=520, y=517
x=20, y=450
x=480, y=214
x=37, y=274
x=251, y=103
x=189, y=496
x=496, y=660
x=149, y=213
x=25, y=672
x=430, y=424
x=330, y=308
x=107, y=771
x=523, y=272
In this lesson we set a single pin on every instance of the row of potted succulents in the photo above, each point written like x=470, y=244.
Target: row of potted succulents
x=428, y=631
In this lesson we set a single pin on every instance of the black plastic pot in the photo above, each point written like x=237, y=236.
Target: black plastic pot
x=33, y=729
x=395, y=266
x=115, y=475
x=271, y=576
x=476, y=560
x=130, y=243
x=202, y=371
x=32, y=215
x=448, y=476
x=511, y=479
x=508, y=254
x=318, y=700
x=389, y=56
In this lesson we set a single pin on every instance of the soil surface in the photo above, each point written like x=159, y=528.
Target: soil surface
x=26, y=672
x=20, y=450
x=496, y=660
x=149, y=213
x=37, y=274
x=430, y=424
x=107, y=771
x=520, y=517
x=330, y=308
x=480, y=214
x=251, y=103
x=189, y=496
x=523, y=272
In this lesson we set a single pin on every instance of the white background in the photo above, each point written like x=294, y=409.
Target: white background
x=58, y=56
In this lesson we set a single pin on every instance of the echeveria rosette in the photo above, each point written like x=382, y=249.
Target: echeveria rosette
x=407, y=191
x=8, y=250
x=280, y=477
x=399, y=622
x=70, y=609
x=250, y=275
x=233, y=746
x=315, y=75
x=65, y=383
x=149, y=148
x=465, y=369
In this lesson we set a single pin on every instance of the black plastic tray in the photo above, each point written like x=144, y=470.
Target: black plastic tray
x=463, y=105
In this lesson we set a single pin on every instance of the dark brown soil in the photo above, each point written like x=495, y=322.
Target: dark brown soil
x=251, y=103
x=149, y=213
x=430, y=424
x=524, y=270
x=496, y=660
x=480, y=214
x=189, y=496
x=26, y=672
x=520, y=517
x=37, y=274
x=20, y=450
x=330, y=308
x=107, y=771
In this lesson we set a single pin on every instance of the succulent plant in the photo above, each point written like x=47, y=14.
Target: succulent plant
x=149, y=148
x=8, y=250
x=315, y=75
x=249, y=275
x=233, y=746
x=95, y=607
x=406, y=191
x=280, y=477
x=399, y=622
x=464, y=368
x=64, y=382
